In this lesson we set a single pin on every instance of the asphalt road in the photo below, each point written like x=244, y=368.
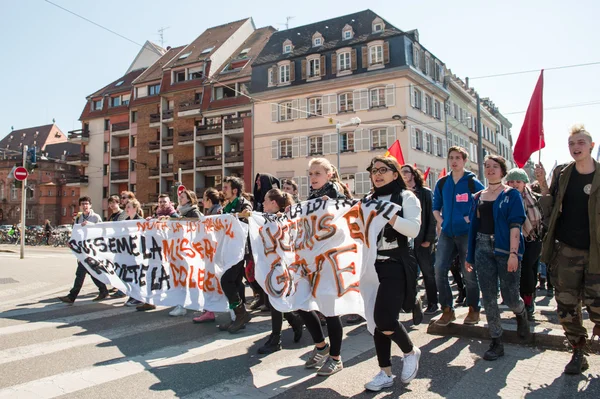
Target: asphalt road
x=105, y=350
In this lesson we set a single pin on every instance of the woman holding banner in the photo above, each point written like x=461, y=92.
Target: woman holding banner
x=395, y=270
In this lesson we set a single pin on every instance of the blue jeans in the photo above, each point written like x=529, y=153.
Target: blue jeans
x=490, y=268
x=443, y=260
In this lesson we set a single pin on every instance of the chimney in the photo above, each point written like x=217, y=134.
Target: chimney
x=467, y=82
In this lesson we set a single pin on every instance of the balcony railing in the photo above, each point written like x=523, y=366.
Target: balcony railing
x=83, y=179
x=79, y=134
x=78, y=157
x=116, y=127
x=234, y=156
x=209, y=160
x=167, y=141
x=168, y=114
x=186, y=136
x=154, y=171
x=154, y=118
x=117, y=152
x=166, y=168
x=154, y=145
x=209, y=129
x=122, y=175
x=234, y=123
x=152, y=197
x=189, y=105
x=187, y=164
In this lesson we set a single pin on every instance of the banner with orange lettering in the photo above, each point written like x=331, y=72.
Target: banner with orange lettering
x=165, y=263
x=321, y=255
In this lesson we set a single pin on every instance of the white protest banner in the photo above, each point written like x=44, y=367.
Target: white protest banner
x=164, y=263
x=321, y=255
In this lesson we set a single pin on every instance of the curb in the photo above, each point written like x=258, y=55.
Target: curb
x=541, y=336
x=8, y=251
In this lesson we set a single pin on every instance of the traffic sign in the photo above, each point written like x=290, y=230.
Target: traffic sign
x=21, y=173
x=180, y=189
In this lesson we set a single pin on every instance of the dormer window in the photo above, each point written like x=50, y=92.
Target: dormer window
x=207, y=50
x=317, y=39
x=378, y=25
x=317, y=42
x=287, y=46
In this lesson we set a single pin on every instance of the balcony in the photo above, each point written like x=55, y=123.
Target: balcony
x=234, y=156
x=81, y=180
x=209, y=129
x=191, y=108
x=154, y=172
x=186, y=137
x=155, y=120
x=79, y=136
x=119, y=152
x=166, y=168
x=209, y=160
x=152, y=198
x=122, y=175
x=167, y=141
x=77, y=159
x=154, y=145
x=187, y=164
x=121, y=128
x=168, y=114
x=234, y=124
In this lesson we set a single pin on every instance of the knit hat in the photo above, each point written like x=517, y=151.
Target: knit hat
x=517, y=174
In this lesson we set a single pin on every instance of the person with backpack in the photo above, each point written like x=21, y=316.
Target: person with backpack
x=452, y=202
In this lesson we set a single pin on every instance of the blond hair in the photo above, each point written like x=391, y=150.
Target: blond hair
x=332, y=170
x=579, y=128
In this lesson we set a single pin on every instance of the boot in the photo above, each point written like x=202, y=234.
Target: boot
x=495, y=351
x=296, y=323
x=242, y=317
x=472, y=317
x=578, y=362
x=273, y=344
x=523, y=324
x=530, y=312
x=447, y=317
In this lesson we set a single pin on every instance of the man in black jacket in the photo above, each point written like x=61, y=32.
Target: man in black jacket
x=262, y=184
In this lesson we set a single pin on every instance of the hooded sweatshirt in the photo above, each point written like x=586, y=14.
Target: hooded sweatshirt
x=267, y=182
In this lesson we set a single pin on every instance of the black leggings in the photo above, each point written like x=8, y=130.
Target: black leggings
x=387, y=308
x=231, y=283
x=529, y=267
x=334, y=329
x=277, y=320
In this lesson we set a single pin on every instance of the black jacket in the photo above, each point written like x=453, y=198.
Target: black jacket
x=267, y=182
x=427, y=232
x=193, y=213
x=329, y=189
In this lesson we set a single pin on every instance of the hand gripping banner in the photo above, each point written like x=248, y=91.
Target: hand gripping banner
x=321, y=255
x=164, y=263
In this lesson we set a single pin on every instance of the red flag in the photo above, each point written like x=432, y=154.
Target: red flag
x=395, y=151
x=442, y=173
x=415, y=165
x=426, y=173
x=531, y=137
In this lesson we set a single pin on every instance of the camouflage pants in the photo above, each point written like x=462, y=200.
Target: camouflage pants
x=575, y=287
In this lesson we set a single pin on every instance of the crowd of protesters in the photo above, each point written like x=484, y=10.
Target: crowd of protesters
x=496, y=238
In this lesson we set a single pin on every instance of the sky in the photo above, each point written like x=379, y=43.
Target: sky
x=53, y=59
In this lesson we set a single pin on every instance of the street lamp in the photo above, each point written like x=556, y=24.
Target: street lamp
x=352, y=122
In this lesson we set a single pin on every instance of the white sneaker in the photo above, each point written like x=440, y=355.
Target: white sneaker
x=381, y=380
x=410, y=366
x=178, y=311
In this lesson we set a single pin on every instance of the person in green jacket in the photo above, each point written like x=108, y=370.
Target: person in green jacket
x=571, y=249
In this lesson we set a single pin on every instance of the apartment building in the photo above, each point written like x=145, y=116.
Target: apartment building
x=307, y=79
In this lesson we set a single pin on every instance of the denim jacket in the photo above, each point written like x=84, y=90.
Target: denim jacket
x=508, y=212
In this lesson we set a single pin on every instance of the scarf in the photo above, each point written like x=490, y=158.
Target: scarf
x=323, y=191
x=388, y=189
x=216, y=209
x=165, y=212
x=533, y=222
x=184, y=209
x=231, y=205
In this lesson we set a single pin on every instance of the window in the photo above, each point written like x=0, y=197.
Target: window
x=271, y=77
x=29, y=213
x=14, y=192
x=376, y=55
x=347, y=34
x=179, y=76
x=427, y=62
x=185, y=55
x=315, y=145
x=284, y=74
x=377, y=28
x=285, y=111
x=133, y=141
x=287, y=47
x=439, y=147
x=72, y=193
x=377, y=97
x=437, y=110
x=207, y=50
x=347, y=142
x=418, y=99
x=285, y=148
x=132, y=166
x=378, y=138
x=133, y=116
x=64, y=193
x=107, y=124
x=419, y=139
x=153, y=90
x=427, y=109
x=64, y=211
x=428, y=147
x=223, y=92
x=315, y=106
x=317, y=42
x=416, y=56
x=96, y=105
x=115, y=101
x=105, y=171
x=344, y=62
x=314, y=68
x=346, y=102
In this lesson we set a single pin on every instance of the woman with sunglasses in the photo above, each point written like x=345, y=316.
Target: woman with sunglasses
x=393, y=264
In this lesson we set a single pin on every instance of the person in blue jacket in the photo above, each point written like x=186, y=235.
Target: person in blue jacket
x=452, y=200
x=496, y=249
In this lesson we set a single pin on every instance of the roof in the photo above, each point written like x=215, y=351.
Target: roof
x=211, y=38
x=123, y=84
x=254, y=45
x=155, y=71
x=16, y=139
x=148, y=54
x=55, y=151
x=331, y=29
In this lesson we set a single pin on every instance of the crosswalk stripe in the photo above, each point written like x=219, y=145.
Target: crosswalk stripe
x=23, y=288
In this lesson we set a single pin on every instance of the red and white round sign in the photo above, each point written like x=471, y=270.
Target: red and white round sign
x=21, y=173
x=180, y=189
